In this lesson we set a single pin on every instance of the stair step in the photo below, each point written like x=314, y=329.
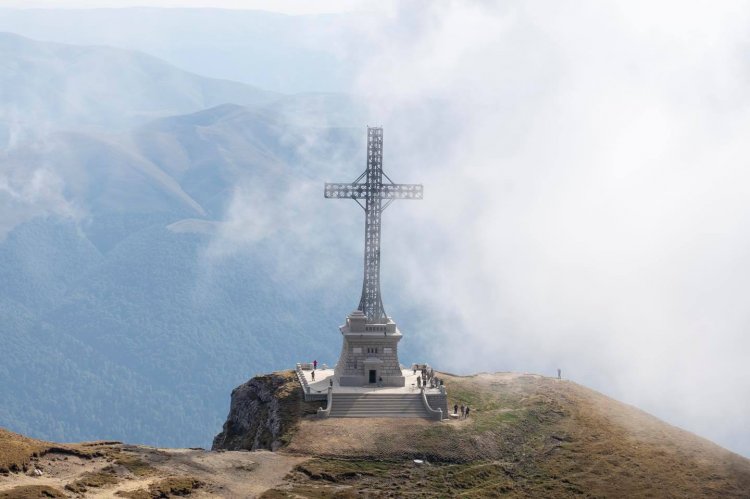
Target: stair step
x=399, y=405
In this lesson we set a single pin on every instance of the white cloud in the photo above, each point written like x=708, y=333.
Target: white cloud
x=35, y=191
x=586, y=204
x=29, y=187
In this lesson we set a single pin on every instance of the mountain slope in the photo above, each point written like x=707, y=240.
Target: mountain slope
x=150, y=268
x=137, y=315
x=527, y=436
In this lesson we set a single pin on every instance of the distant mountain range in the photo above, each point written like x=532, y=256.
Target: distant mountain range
x=46, y=85
x=286, y=53
x=118, y=174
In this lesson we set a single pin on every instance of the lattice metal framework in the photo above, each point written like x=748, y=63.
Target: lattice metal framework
x=370, y=187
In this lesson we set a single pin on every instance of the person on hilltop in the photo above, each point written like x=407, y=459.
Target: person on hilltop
x=315, y=365
x=313, y=375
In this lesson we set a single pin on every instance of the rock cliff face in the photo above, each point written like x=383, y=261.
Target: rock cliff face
x=264, y=413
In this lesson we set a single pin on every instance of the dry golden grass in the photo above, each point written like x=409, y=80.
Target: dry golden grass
x=527, y=436
x=134, y=464
x=16, y=451
x=32, y=492
x=174, y=486
x=167, y=487
x=92, y=480
x=134, y=494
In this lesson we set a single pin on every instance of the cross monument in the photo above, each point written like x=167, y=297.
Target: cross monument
x=369, y=355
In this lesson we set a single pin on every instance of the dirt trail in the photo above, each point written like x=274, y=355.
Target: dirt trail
x=231, y=474
x=223, y=474
x=57, y=471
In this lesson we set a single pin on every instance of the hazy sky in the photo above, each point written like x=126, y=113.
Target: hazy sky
x=587, y=195
x=284, y=6
x=587, y=191
x=589, y=207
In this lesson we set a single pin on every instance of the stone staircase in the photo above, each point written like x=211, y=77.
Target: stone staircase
x=378, y=405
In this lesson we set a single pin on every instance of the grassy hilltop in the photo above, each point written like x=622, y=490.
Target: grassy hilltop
x=528, y=436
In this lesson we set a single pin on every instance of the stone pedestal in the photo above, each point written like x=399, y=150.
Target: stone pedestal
x=369, y=355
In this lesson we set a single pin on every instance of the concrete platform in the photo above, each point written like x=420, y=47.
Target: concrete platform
x=323, y=376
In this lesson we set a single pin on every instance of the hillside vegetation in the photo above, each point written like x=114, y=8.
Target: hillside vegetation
x=35, y=469
x=527, y=436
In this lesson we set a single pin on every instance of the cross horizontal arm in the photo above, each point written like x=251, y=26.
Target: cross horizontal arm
x=386, y=191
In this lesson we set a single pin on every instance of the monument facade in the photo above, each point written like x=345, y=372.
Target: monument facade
x=369, y=354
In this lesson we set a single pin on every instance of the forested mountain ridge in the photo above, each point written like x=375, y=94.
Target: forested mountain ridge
x=118, y=319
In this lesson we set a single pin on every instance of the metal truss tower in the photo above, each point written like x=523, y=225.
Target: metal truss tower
x=370, y=187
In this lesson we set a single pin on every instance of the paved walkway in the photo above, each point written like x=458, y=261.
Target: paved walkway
x=320, y=385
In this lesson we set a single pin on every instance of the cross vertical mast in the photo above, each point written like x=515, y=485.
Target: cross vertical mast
x=373, y=191
x=371, y=302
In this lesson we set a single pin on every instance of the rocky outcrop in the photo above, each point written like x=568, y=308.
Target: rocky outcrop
x=264, y=413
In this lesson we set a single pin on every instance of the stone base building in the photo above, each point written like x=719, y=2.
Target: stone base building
x=369, y=355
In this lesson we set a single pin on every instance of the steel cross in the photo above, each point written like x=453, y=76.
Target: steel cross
x=373, y=191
